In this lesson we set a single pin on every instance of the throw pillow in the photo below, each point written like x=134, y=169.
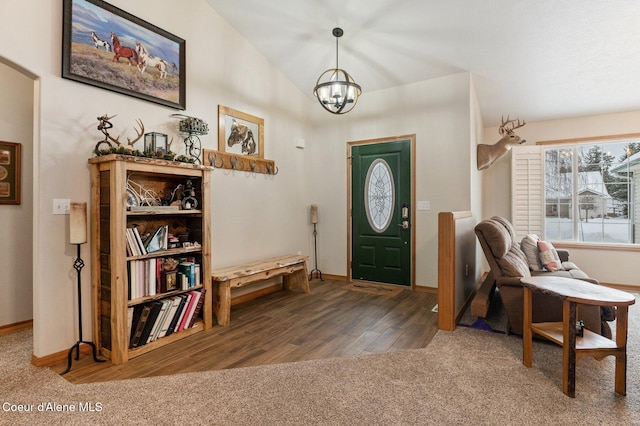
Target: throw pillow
x=529, y=245
x=549, y=256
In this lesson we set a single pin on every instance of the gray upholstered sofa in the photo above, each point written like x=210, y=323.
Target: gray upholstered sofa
x=509, y=263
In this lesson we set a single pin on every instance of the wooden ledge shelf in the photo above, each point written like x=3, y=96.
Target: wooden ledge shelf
x=243, y=163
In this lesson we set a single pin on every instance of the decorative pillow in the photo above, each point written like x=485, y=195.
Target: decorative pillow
x=549, y=256
x=529, y=245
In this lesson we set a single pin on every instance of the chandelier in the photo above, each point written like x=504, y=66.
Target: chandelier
x=335, y=89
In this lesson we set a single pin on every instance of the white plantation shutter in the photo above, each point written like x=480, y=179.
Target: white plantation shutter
x=527, y=190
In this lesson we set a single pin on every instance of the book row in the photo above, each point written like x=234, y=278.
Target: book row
x=160, y=318
x=139, y=245
x=148, y=277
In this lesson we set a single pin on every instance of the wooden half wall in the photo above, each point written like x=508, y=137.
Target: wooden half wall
x=457, y=269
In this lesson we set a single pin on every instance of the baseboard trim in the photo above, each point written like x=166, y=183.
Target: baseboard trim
x=10, y=328
x=331, y=277
x=624, y=287
x=58, y=357
x=425, y=289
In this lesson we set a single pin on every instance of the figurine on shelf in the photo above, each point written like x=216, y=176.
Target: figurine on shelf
x=192, y=127
x=189, y=200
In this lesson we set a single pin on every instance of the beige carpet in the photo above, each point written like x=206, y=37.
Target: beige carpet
x=463, y=377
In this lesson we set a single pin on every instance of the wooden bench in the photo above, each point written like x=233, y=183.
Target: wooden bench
x=292, y=268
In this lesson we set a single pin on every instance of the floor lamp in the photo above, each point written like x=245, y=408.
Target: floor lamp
x=78, y=236
x=314, y=220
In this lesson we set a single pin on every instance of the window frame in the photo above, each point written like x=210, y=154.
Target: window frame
x=574, y=143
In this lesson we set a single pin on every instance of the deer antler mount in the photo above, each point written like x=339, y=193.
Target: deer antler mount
x=104, y=125
x=488, y=154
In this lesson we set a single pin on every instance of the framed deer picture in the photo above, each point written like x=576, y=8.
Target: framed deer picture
x=109, y=48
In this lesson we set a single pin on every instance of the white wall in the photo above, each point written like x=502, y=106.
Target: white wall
x=614, y=267
x=16, y=125
x=438, y=113
x=254, y=216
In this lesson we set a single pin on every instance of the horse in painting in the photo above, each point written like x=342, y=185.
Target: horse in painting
x=240, y=133
x=146, y=60
x=123, y=51
x=100, y=43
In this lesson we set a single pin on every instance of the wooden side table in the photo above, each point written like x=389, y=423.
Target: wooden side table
x=574, y=291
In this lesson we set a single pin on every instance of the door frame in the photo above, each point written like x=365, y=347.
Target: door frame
x=412, y=218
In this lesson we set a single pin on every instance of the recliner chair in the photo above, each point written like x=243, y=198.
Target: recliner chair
x=509, y=263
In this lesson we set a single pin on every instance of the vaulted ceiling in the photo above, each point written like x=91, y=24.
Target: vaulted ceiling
x=536, y=59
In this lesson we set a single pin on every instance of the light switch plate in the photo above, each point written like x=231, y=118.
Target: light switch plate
x=424, y=205
x=61, y=205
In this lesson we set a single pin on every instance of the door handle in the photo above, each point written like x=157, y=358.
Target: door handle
x=404, y=224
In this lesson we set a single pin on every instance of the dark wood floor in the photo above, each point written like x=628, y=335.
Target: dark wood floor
x=335, y=320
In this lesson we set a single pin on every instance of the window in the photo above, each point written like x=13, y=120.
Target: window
x=590, y=192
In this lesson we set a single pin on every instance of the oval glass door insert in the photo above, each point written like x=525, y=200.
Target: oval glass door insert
x=379, y=197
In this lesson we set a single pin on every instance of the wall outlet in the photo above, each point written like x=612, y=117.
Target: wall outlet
x=61, y=206
x=424, y=205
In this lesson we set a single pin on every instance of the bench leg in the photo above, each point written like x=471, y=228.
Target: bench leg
x=297, y=280
x=222, y=302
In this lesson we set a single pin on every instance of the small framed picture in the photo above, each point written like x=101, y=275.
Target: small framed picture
x=169, y=281
x=240, y=133
x=10, y=164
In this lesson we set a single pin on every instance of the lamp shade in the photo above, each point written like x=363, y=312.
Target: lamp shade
x=78, y=223
x=314, y=213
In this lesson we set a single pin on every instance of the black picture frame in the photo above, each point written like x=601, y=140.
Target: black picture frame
x=88, y=54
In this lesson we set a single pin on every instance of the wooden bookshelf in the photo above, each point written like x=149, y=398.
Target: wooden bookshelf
x=111, y=216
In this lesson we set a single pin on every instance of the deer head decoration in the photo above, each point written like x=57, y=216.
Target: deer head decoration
x=488, y=154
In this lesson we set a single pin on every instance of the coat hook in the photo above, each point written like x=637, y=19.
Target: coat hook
x=215, y=159
x=269, y=168
x=275, y=172
x=234, y=163
x=252, y=165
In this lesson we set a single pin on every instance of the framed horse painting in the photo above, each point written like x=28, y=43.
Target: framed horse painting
x=109, y=48
x=240, y=133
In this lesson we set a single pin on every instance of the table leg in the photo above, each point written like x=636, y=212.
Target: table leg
x=221, y=300
x=569, y=348
x=527, y=357
x=622, y=319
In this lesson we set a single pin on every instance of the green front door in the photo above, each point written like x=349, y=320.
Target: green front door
x=381, y=212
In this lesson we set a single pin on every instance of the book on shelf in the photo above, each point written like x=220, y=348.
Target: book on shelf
x=162, y=316
x=138, y=239
x=132, y=245
x=181, y=310
x=198, y=308
x=158, y=240
x=175, y=303
x=177, y=316
x=186, y=272
x=130, y=311
x=193, y=301
x=156, y=306
x=138, y=326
